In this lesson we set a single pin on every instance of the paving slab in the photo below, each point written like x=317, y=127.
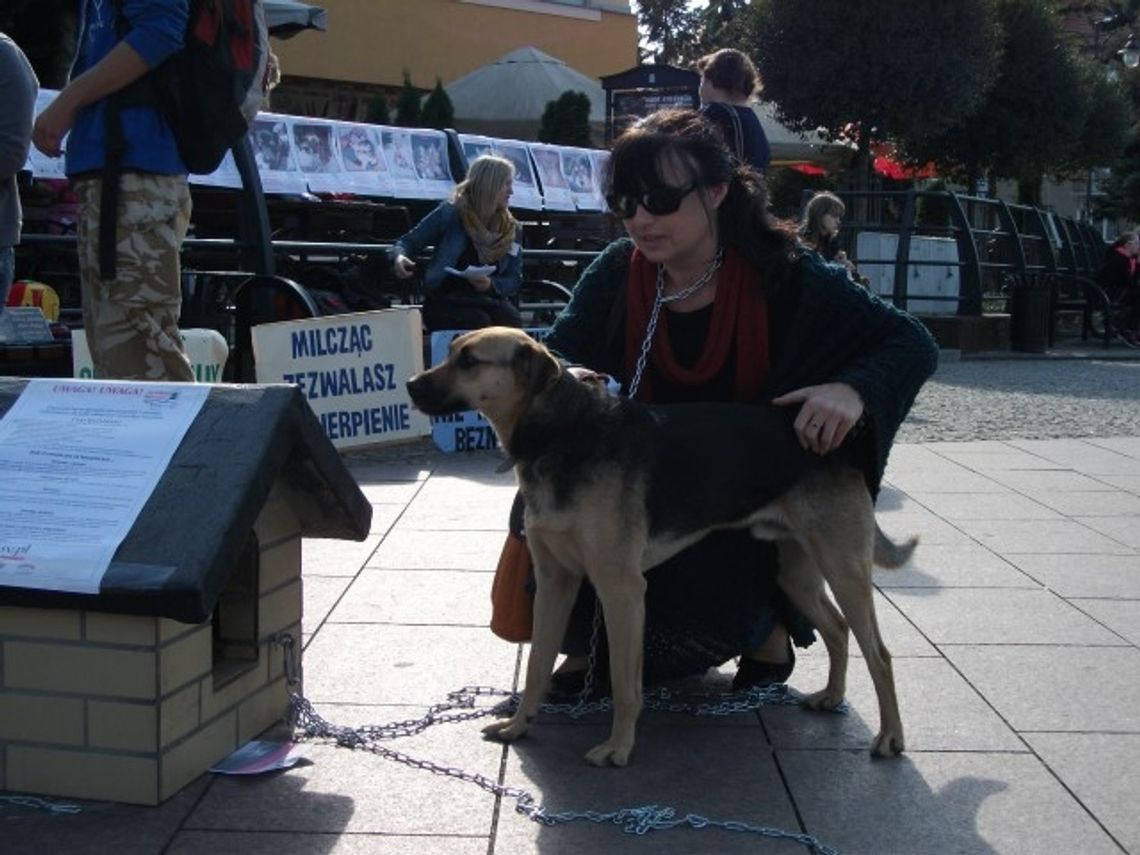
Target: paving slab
x=723, y=774
x=391, y=663
x=1090, y=457
x=1120, y=616
x=98, y=827
x=940, y=710
x=337, y=790
x=1042, y=536
x=1046, y=687
x=936, y=803
x=458, y=503
x=1100, y=770
x=406, y=549
x=456, y=597
x=1079, y=575
x=958, y=565
x=999, y=616
x=327, y=557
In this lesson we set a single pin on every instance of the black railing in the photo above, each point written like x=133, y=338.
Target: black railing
x=983, y=240
x=903, y=240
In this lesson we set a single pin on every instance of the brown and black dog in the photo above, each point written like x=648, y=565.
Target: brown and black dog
x=614, y=487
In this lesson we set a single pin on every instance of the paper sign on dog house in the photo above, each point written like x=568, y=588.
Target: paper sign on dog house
x=351, y=369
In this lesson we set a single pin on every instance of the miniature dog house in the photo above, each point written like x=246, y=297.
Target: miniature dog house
x=130, y=694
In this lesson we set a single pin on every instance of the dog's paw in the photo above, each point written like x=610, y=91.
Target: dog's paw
x=823, y=700
x=609, y=753
x=887, y=744
x=507, y=730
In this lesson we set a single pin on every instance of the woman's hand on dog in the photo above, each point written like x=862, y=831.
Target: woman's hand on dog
x=827, y=414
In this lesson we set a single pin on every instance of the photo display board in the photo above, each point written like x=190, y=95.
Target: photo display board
x=297, y=155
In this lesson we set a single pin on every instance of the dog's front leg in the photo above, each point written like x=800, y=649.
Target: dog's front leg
x=621, y=590
x=555, y=592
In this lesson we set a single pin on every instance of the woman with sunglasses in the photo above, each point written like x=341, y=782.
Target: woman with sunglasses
x=709, y=299
x=477, y=263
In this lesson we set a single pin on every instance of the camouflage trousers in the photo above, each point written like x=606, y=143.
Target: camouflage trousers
x=131, y=322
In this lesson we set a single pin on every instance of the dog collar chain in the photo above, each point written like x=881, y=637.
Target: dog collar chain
x=655, y=314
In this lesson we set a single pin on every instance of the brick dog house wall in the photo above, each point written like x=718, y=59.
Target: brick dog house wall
x=132, y=707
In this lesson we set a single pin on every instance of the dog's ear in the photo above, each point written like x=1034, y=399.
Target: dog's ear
x=535, y=366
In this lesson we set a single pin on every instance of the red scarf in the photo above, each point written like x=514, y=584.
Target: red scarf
x=739, y=319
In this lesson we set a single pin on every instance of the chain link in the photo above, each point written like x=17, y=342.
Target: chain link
x=660, y=300
x=461, y=706
x=40, y=804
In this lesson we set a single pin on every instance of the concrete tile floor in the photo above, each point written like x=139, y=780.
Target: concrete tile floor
x=1014, y=631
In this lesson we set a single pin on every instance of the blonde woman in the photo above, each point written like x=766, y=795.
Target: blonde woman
x=477, y=263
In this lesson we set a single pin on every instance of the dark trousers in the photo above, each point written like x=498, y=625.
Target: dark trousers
x=446, y=312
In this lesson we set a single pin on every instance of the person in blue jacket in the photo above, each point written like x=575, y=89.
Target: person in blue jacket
x=729, y=82
x=476, y=267
x=130, y=310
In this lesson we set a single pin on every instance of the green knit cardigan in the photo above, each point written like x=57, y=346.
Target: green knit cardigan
x=829, y=330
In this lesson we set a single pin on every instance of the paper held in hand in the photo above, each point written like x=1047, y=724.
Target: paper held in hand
x=472, y=270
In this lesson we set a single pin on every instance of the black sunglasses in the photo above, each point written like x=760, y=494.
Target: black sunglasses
x=660, y=201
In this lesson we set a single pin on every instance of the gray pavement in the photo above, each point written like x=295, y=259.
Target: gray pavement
x=1014, y=632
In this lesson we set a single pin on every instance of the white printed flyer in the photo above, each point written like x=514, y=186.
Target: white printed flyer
x=79, y=460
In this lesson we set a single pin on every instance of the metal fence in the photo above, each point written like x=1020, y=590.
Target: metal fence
x=910, y=240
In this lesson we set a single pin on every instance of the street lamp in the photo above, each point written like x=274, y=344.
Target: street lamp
x=1130, y=53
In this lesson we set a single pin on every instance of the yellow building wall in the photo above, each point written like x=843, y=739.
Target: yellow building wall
x=374, y=41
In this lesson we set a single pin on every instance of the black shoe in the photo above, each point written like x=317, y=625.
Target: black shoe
x=760, y=674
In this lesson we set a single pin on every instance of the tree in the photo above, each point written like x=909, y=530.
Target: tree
x=1121, y=197
x=408, y=104
x=876, y=69
x=1107, y=122
x=566, y=120
x=678, y=33
x=669, y=27
x=378, y=112
x=1031, y=119
x=437, y=110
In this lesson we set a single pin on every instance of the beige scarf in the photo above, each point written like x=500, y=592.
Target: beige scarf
x=493, y=239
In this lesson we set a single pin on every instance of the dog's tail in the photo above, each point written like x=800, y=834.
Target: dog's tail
x=889, y=554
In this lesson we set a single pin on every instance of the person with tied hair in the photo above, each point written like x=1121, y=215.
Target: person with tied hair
x=729, y=83
x=475, y=234
x=710, y=298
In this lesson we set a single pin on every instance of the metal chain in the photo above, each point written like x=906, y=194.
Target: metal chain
x=660, y=300
x=40, y=804
x=638, y=820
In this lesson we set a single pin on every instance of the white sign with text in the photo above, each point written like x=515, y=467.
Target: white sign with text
x=352, y=370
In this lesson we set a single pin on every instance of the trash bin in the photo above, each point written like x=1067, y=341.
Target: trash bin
x=1029, y=307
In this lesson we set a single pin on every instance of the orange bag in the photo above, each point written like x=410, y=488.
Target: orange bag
x=512, y=605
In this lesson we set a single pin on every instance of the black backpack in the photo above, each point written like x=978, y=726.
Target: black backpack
x=208, y=93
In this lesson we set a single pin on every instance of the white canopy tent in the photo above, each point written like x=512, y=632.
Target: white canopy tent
x=789, y=146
